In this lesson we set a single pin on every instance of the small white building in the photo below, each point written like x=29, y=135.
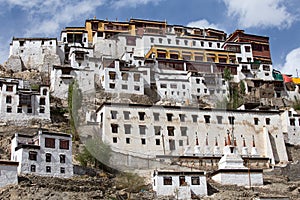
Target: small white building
x=19, y=103
x=181, y=185
x=8, y=173
x=45, y=153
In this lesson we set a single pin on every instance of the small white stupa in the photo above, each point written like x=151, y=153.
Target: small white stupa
x=232, y=170
x=217, y=151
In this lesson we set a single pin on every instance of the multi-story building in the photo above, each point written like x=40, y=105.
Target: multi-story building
x=35, y=53
x=46, y=153
x=173, y=130
x=19, y=103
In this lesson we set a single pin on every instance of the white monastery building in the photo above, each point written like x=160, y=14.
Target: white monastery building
x=45, y=153
x=19, y=103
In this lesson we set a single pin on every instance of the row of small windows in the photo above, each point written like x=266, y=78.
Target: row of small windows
x=186, y=42
x=48, y=169
x=32, y=155
x=9, y=100
x=124, y=75
x=182, y=117
x=167, y=180
x=63, y=144
x=9, y=88
x=124, y=87
x=29, y=109
x=293, y=121
x=157, y=142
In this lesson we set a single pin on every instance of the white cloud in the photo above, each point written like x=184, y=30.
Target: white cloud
x=203, y=23
x=292, y=62
x=260, y=13
x=47, y=17
x=133, y=3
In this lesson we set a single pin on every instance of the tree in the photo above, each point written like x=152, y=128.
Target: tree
x=131, y=182
x=74, y=104
x=95, y=153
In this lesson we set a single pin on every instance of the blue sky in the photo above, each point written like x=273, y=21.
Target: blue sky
x=277, y=19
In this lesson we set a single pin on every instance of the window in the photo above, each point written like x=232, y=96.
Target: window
x=177, y=42
x=170, y=130
x=48, y=157
x=50, y=142
x=292, y=122
x=183, y=131
x=180, y=143
x=115, y=140
x=42, y=109
x=205, y=90
x=112, y=75
x=207, y=119
x=247, y=48
x=8, y=99
x=45, y=91
x=142, y=116
x=32, y=168
x=160, y=40
x=268, y=121
x=8, y=109
x=42, y=101
x=194, y=117
x=48, y=169
x=167, y=180
x=126, y=115
x=29, y=109
x=172, y=145
x=62, y=158
x=64, y=144
x=256, y=121
x=163, y=85
x=219, y=119
x=62, y=170
x=231, y=120
x=114, y=128
x=210, y=44
x=169, y=117
x=157, y=141
x=182, y=117
x=142, y=129
x=218, y=45
x=173, y=86
x=194, y=43
x=195, y=180
x=113, y=114
x=112, y=85
x=124, y=76
x=181, y=180
x=137, y=88
x=124, y=87
x=19, y=109
x=9, y=88
x=156, y=116
x=151, y=40
x=157, y=130
x=127, y=128
x=136, y=77
x=266, y=67
x=143, y=140
x=32, y=155
x=202, y=43
x=169, y=41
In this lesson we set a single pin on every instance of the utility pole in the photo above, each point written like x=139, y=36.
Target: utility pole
x=163, y=141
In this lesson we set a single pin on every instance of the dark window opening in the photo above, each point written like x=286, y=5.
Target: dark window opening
x=169, y=117
x=156, y=116
x=268, y=121
x=182, y=180
x=32, y=155
x=62, y=170
x=207, y=119
x=48, y=157
x=142, y=116
x=8, y=99
x=183, y=131
x=256, y=121
x=195, y=180
x=172, y=144
x=64, y=144
x=143, y=140
x=62, y=158
x=168, y=180
x=48, y=169
x=157, y=130
x=114, y=128
x=50, y=142
x=157, y=141
x=142, y=129
x=32, y=168
x=115, y=140
x=170, y=130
